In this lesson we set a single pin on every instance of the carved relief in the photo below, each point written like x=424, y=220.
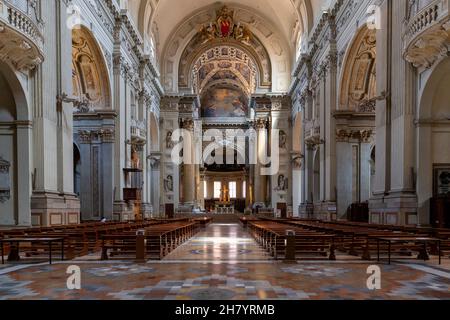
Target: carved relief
x=359, y=74
x=89, y=74
x=343, y=135
x=21, y=39
x=224, y=27
x=427, y=32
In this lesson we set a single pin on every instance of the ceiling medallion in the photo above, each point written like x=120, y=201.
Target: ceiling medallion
x=224, y=27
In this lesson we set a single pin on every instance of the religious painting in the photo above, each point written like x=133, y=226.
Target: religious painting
x=244, y=71
x=441, y=180
x=224, y=75
x=282, y=183
x=205, y=70
x=224, y=102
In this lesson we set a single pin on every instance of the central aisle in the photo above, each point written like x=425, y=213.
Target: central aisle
x=220, y=243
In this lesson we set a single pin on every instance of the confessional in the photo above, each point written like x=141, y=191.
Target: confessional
x=358, y=212
x=440, y=211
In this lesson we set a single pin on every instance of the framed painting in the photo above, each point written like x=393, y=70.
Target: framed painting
x=441, y=179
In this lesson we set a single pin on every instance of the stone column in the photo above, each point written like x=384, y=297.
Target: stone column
x=330, y=127
x=23, y=179
x=394, y=199
x=309, y=173
x=260, y=180
x=107, y=149
x=155, y=164
x=210, y=187
x=239, y=186
x=120, y=149
x=297, y=177
x=189, y=169
x=52, y=123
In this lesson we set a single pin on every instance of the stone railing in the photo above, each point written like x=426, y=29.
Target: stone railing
x=426, y=33
x=138, y=130
x=21, y=33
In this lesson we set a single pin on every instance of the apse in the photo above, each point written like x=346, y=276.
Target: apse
x=224, y=102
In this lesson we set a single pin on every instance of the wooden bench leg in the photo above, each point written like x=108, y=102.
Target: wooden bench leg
x=366, y=253
x=104, y=254
x=14, y=253
x=332, y=256
x=423, y=254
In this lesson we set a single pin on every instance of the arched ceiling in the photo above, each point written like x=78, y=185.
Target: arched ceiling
x=163, y=16
x=168, y=16
x=282, y=26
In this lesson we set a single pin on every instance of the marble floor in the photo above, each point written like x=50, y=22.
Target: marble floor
x=220, y=242
x=224, y=263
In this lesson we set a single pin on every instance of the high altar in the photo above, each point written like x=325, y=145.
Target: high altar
x=224, y=206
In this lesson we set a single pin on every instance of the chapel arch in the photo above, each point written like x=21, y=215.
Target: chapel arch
x=358, y=81
x=433, y=133
x=15, y=141
x=90, y=76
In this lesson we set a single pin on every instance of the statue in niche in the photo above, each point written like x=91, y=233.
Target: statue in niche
x=168, y=184
x=283, y=139
x=169, y=142
x=135, y=159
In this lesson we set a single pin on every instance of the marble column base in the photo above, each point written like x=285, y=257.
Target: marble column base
x=325, y=211
x=122, y=211
x=395, y=209
x=146, y=210
x=306, y=211
x=51, y=208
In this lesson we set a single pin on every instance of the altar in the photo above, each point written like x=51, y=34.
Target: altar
x=224, y=208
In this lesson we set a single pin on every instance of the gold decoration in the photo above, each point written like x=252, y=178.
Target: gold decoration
x=224, y=27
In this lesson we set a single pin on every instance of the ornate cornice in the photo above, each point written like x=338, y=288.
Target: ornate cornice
x=103, y=135
x=427, y=34
x=345, y=135
x=21, y=39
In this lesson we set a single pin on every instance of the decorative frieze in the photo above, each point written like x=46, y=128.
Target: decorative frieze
x=90, y=136
x=346, y=135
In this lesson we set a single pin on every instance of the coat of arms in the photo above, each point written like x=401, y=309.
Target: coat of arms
x=225, y=28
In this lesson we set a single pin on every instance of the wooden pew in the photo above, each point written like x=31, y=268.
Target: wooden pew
x=311, y=244
x=161, y=239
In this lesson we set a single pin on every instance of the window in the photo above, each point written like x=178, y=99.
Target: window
x=244, y=189
x=217, y=189
x=205, y=190
x=232, y=187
